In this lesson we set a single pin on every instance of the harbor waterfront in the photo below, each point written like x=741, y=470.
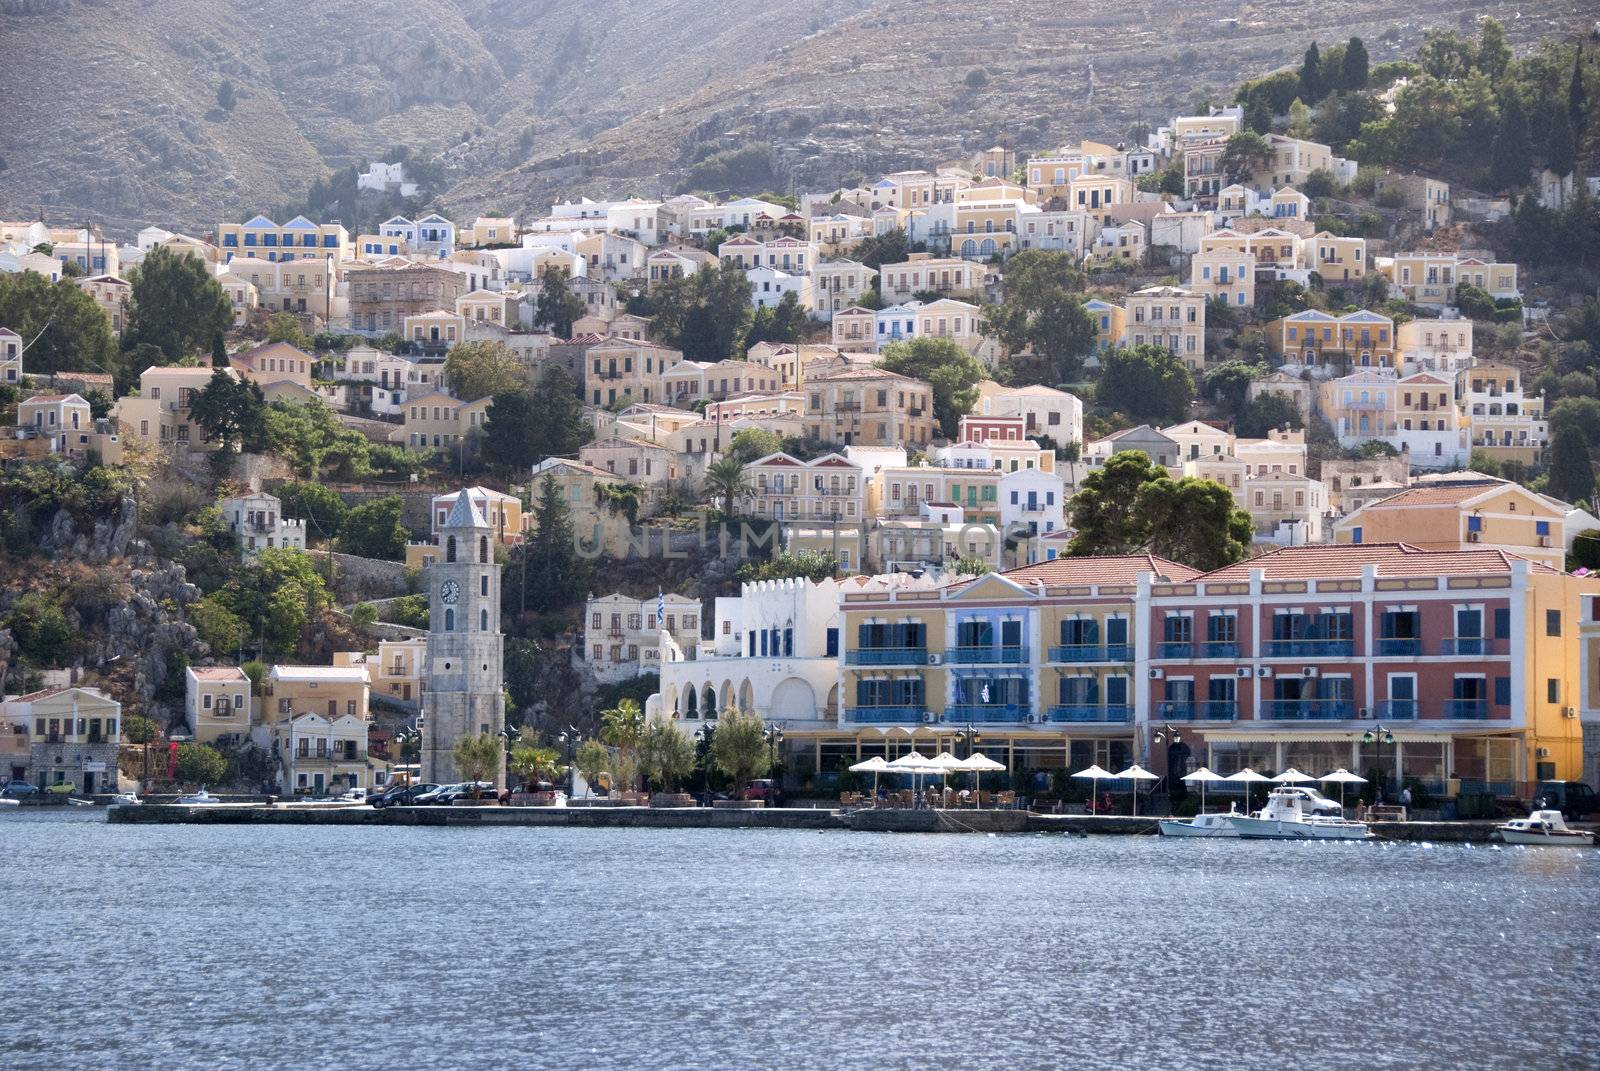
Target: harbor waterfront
x=671, y=948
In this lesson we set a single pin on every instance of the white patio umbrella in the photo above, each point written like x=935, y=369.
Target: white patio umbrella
x=1202, y=777
x=1342, y=777
x=1291, y=776
x=912, y=762
x=1137, y=773
x=1095, y=774
x=875, y=765
x=943, y=764
x=980, y=764
x=1248, y=777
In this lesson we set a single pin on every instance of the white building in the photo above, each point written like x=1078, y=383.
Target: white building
x=1034, y=500
x=622, y=636
x=768, y=286
x=258, y=522
x=1045, y=410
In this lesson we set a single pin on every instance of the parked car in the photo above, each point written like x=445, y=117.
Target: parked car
x=471, y=790
x=434, y=796
x=18, y=788
x=762, y=788
x=403, y=795
x=1573, y=799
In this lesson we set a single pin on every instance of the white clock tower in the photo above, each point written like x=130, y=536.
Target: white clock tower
x=465, y=694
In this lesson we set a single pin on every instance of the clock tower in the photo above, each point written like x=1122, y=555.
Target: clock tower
x=465, y=695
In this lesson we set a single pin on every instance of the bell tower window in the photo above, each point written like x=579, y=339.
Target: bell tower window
x=450, y=549
x=483, y=550
x=449, y=620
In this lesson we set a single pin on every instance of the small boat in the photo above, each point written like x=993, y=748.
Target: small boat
x=126, y=799
x=76, y=802
x=199, y=799
x=1201, y=825
x=9, y=802
x=1290, y=814
x=1546, y=828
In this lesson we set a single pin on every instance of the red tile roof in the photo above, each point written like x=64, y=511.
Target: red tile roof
x=1110, y=569
x=1451, y=493
x=1392, y=559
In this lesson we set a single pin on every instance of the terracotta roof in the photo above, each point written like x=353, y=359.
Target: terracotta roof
x=585, y=339
x=1392, y=559
x=862, y=373
x=49, y=398
x=1110, y=569
x=1453, y=493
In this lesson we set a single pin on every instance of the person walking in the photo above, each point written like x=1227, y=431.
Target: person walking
x=1405, y=799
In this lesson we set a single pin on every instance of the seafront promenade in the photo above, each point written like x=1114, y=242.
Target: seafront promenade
x=883, y=821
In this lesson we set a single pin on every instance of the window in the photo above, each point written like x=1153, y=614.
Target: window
x=1552, y=690
x=1552, y=622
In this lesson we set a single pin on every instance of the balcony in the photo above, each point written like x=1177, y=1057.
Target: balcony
x=1466, y=709
x=1307, y=709
x=1002, y=656
x=1175, y=649
x=1204, y=710
x=887, y=656
x=989, y=713
x=1474, y=646
x=885, y=715
x=1309, y=649
x=1398, y=647
x=1090, y=712
x=1092, y=652
x=1397, y=710
x=1218, y=649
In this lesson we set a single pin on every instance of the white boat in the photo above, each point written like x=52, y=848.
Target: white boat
x=1546, y=828
x=1291, y=814
x=76, y=802
x=199, y=799
x=1201, y=825
x=126, y=799
x=10, y=803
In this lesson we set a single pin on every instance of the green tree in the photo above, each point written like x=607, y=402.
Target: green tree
x=1105, y=511
x=814, y=565
x=224, y=631
x=966, y=566
x=553, y=575
x=1266, y=413
x=373, y=530
x=591, y=759
x=480, y=757
x=558, y=308
x=752, y=444
x=285, y=327
x=1571, y=469
x=704, y=314
x=1195, y=522
x=1311, y=80
x=739, y=747
x=138, y=729
x=666, y=756
x=1353, y=74
x=891, y=247
x=1577, y=99
x=219, y=352
x=1229, y=382
x=623, y=725
x=1146, y=382
x=510, y=432
x=535, y=763
x=1511, y=152
x=61, y=326
x=783, y=322
x=318, y=505
x=231, y=411
x=201, y=764
x=725, y=480
x=40, y=627
x=1043, y=314
x=1244, y=154
x=1560, y=145
x=176, y=305
x=479, y=369
x=1494, y=54
x=951, y=372
x=1580, y=413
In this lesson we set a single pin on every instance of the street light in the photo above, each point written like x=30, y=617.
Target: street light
x=773, y=735
x=1382, y=736
x=1172, y=738
x=968, y=739
x=572, y=738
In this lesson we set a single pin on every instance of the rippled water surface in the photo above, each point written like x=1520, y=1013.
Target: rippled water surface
x=282, y=947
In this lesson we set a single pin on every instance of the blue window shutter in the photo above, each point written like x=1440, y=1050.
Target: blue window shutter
x=1502, y=691
x=1355, y=534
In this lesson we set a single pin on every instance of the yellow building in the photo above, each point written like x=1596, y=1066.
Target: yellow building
x=217, y=702
x=630, y=369
x=1462, y=512
x=1168, y=316
x=1335, y=259
x=438, y=421
x=1226, y=275
x=319, y=717
x=869, y=407
x=159, y=413
x=1504, y=422
x=923, y=272
x=295, y=240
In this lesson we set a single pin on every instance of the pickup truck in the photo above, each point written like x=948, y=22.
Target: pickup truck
x=1574, y=799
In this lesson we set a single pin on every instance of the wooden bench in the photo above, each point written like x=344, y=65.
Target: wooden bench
x=1386, y=814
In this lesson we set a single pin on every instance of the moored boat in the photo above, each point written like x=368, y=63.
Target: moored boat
x=126, y=799
x=1290, y=815
x=1201, y=825
x=1545, y=828
x=198, y=799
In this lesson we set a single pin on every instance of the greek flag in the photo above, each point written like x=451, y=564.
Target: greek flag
x=661, y=609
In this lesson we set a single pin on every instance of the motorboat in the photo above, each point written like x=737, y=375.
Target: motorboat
x=198, y=799
x=1201, y=825
x=1545, y=828
x=126, y=799
x=76, y=802
x=1291, y=814
x=4, y=802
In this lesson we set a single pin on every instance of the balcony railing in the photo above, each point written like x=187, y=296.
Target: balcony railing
x=1218, y=649
x=1092, y=652
x=1466, y=709
x=1471, y=645
x=987, y=712
x=1396, y=646
x=1397, y=710
x=885, y=715
x=887, y=656
x=1307, y=709
x=1175, y=649
x=1203, y=710
x=1309, y=648
x=1090, y=712
x=1005, y=656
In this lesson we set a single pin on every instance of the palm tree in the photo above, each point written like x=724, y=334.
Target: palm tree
x=623, y=725
x=725, y=479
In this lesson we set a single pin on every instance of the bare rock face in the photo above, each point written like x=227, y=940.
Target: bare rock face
x=112, y=537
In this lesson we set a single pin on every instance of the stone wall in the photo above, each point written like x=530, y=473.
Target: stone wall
x=362, y=579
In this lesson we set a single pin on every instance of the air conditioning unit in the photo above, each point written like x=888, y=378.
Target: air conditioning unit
x=1157, y=674
x=1364, y=714
x=1033, y=719
x=1541, y=753
x=1263, y=671
x=1544, y=541
x=1242, y=671
x=1309, y=671
x=934, y=660
x=1473, y=537
x=929, y=717
x=1569, y=712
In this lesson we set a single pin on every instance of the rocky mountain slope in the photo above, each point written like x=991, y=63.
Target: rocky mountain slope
x=112, y=106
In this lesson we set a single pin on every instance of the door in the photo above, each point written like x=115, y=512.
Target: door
x=88, y=784
x=1011, y=634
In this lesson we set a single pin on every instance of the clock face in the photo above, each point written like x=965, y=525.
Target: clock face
x=449, y=591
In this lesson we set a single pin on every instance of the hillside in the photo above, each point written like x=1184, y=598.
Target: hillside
x=112, y=105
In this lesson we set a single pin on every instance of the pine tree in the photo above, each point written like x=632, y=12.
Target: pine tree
x=1511, y=151
x=1354, y=75
x=1560, y=150
x=219, y=351
x=553, y=574
x=1577, y=99
x=1571, y=470
x=1311, y=80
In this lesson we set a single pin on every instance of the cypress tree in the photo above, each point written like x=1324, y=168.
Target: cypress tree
x=219, y=351
x=1577, y=98
x=1511, y=151
x=1311, y=75
x=1571, y=470
x=1355, y=73
x=1560, y=150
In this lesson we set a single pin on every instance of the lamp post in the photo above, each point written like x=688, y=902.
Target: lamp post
x=571, y=738
x=701, y=736
x=1381, y=736
x=1171, y=737
x=773, y=735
